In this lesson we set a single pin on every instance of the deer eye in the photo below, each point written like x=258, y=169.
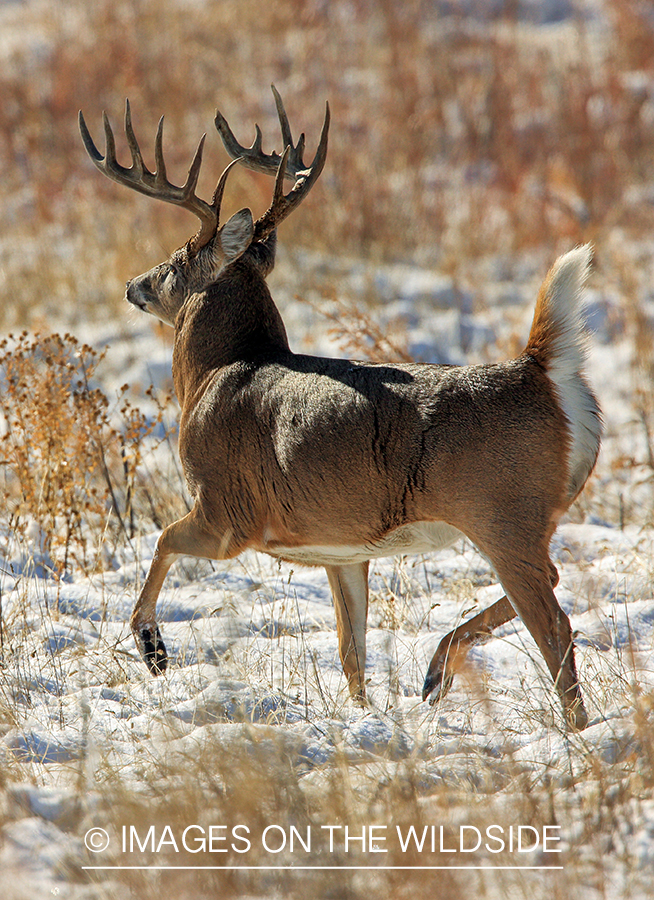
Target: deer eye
x=173, y=274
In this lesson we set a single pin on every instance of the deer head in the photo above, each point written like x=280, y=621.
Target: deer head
x=163, y=290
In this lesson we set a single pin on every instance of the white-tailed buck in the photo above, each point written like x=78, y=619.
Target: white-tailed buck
x=329, y=462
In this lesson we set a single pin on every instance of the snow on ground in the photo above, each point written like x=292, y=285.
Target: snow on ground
x=254, y=648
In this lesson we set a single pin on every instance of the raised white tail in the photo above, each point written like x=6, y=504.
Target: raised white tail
x=331, y=462
x=558, y=340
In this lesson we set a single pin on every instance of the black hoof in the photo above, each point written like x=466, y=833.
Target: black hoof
x=435, y=686
x=152, y=649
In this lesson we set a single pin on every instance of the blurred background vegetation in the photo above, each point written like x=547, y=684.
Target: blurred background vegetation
x=460, y=130
x=478, y=138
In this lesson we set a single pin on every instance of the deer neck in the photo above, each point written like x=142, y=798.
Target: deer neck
x=232, y=320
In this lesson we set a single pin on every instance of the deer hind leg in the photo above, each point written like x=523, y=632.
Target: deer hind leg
x=183, y=538
x=550, y=627
x=349, y=587
x=528, y=584
x=452, y=651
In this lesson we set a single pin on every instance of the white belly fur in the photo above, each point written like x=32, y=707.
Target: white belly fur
x=420, y=537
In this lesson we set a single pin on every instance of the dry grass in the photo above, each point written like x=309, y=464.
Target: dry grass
x=71, y=461
x=450, y=143
x=167, y=773
x=257, y=775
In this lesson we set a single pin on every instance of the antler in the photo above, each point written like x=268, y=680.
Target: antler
x=155, y=184
x=290, y=164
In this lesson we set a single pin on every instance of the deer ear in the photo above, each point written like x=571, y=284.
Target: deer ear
x=236, y=235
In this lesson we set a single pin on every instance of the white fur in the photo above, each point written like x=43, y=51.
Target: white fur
x=420, y=537
x=566, y=364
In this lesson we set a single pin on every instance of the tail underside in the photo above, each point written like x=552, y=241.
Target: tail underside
x=558, y=340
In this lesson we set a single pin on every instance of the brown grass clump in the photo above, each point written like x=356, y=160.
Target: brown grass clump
x=67, y=469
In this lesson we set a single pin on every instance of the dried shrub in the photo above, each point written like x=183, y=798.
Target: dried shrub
x=69, y=470
x=359, y=335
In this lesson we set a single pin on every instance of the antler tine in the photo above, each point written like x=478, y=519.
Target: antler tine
x=220, y=187
x=300, y=146
x=258, y=137
x=156, y=184
x=194, y=171
x=287, y=138
x=278, y=191
x=137, y=160
x=87, y=140
x=109, y=142
x=159, y=162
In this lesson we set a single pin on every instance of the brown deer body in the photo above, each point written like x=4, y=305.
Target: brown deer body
x=330, y=462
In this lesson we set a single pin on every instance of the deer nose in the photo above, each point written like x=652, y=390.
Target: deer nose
x=132, y=295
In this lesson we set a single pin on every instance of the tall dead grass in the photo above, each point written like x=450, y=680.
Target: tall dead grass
x=449, y=140
x=71, y=461
x=255, y=776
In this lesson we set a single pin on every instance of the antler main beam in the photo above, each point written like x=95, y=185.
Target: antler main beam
x=156, y=184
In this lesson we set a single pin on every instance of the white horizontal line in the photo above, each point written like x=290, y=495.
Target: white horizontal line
x=326, y=868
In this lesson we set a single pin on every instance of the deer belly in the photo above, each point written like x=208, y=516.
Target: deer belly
x=418, y=537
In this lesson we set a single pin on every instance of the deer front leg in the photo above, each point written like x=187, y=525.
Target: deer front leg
x=453, y=648
x=349, y=586
x=183, y=538
x=143, y=623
